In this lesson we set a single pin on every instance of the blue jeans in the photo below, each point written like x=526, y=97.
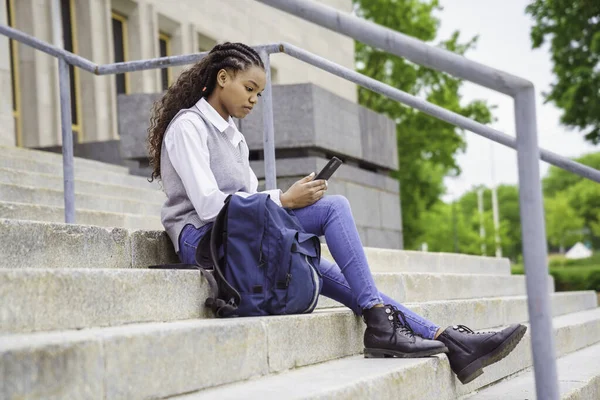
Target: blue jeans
x=348, y=280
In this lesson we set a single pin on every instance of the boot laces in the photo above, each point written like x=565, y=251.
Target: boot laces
x=463, y=328
x=400, y=322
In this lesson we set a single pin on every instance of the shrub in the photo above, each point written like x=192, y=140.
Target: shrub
x=559, y=261
x=571, y=278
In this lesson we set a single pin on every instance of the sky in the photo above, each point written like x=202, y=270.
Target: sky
x=504, y=43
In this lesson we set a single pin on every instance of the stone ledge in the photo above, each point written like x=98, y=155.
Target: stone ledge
x=305, y=115
x=410, y=379
x=31, y=244
x=54, y=156
x=80, y=361
x=302, y=166
x=38, y=213
x=42, y=299
x=82, y=173
x=55, y=182
x=578, y=379
x=50, y=197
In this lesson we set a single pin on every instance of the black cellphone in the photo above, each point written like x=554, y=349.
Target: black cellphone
x=329, y=169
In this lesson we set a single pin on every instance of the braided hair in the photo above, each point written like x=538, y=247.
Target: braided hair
x=193, y=84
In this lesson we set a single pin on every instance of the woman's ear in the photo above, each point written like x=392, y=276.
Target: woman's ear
x=222, y=77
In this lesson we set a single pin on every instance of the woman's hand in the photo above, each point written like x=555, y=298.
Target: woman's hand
x=304, y=192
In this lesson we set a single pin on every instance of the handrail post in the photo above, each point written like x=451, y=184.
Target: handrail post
x=64, y=82
x=533, y=232
x=268, y=129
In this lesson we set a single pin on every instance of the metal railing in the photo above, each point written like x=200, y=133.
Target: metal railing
x=521, y=90
x=530, y=188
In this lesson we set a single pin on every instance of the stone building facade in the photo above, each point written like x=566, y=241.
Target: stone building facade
x=316, y=115
x=106, y=31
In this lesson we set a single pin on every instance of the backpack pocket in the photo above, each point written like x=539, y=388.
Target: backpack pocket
x=299, y=280
x=243, y=268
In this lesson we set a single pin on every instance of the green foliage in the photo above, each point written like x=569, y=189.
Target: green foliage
x=510, y=222
x=441, y=225
x=573, y=29
x=455, y=227
x=582, y=262
x=572, y=278
x=509, y=211
x=559, y=180
x=572, y=208
x=562, y=222
x=426, y=146
x=583, y=195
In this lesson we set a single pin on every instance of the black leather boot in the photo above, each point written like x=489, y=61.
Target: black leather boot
x=471, y=351
x=389, y=335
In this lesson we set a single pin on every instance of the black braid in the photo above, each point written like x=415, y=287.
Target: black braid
x=193, y=84
x=231, y=56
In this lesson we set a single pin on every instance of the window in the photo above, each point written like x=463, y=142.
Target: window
x=119, y=28
x=164, y=45
x=14, y=75
x=70, y=44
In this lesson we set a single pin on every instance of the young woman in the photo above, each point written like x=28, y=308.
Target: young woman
x=201, y=158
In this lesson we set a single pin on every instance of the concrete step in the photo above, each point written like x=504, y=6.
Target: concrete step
x=59, y=246
x=54, y=158
x=49, y=197
x=55, y=182
x=33, y=244
x=155, y=360
x=406, y=379
x=32, y=212
x=53, y=299
x=95, y=174
x=578, y=379
x=388, y=260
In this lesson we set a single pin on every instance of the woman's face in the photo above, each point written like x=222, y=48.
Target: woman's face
x=241, y=91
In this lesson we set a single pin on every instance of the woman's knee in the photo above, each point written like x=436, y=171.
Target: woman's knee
x=338, y=202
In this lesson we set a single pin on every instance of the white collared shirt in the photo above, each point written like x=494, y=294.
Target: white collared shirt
x=187, y=148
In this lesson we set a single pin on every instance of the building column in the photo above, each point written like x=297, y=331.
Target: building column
x=99, y=122
x=7, y=126
x=183, y=43
x=38, y=77
x=143, y=31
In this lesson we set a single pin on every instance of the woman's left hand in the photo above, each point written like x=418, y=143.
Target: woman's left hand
x=304, y=192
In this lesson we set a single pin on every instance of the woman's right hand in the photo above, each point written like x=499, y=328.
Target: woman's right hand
x=304, y=192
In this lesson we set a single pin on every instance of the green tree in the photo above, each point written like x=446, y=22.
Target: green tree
x=584, y=198
x=573, y=29
x=595, y=225
x=448, y=229
x=559, y=179
x=443, y=226
x=563, y=225
x=583, y=195
x=510, y=218
x=510, y=222
x=427, y=147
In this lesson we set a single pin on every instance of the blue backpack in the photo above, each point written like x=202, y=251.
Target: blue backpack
x=263, y=261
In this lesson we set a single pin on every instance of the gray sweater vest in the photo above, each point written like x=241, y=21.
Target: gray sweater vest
x=229, y=165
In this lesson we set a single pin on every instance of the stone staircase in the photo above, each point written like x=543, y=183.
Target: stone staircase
x=31, y=188
x=81, y=317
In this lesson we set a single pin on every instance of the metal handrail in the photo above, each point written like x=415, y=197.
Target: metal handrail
x=530, y=189
x=319, y=62
x=521, y=90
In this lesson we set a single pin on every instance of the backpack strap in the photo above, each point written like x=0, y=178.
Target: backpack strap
x=228, y=304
